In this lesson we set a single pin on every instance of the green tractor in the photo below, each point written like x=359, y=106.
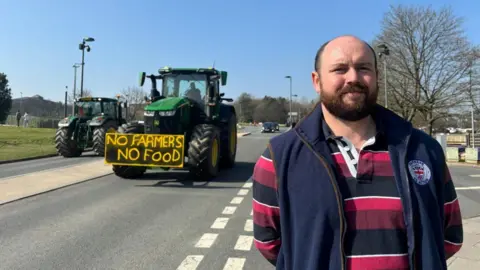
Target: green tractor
x=93, y=117
x=185, y=125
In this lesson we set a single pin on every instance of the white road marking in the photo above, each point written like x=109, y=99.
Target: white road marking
x=242, y=192
x=244, y=242
x=220, y=223
x=236, y=200
x=474, y=175
x=229, y=210
x=248, y=225
x=207, y=240
x=234, y=264
x=191, y=262
x=466, y=188
x=247, y=185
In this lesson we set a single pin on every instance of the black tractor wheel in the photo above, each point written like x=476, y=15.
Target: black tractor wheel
x=65, y=146
x=229, y=143
x=204, y=151
x=130, y=172
x=99, y=135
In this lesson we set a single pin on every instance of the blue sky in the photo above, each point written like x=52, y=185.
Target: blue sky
x=257, y=42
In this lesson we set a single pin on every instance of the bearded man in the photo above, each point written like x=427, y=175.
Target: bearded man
x=353, y=185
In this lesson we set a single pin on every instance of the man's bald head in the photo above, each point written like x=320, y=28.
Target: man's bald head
x=338, y=41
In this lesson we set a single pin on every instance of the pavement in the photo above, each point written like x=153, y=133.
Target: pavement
x=467, y=184
x=42, y=164
x=161, y=221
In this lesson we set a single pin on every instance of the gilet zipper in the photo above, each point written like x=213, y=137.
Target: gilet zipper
x=410, y=216
x=337, y=195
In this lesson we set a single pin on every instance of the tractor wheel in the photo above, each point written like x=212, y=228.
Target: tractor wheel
x=130, y=172
x=229, y=143
x=66, y=147
x=99, y=137
x=204, y=151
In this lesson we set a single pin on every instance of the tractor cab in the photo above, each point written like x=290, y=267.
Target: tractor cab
x=100, y=107
x=187, y=96
x=201, y=86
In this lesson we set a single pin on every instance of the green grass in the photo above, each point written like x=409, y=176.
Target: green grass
x=19, y=142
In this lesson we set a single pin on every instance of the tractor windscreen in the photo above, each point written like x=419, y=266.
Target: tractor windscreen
x=90, y=108
x=192, y=86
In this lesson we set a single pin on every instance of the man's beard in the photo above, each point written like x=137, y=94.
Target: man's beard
x=350, y=112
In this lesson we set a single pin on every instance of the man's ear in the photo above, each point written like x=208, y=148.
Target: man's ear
x=316, y=81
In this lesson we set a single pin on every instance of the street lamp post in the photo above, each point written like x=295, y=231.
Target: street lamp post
x=384, y=51
x=290, y=78
x=75, y=66
x=65, y=105
x=82, y=46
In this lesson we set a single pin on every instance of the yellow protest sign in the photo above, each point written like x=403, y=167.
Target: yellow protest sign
x=159, y=150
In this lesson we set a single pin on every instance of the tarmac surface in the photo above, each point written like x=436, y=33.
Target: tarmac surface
x=162, y=221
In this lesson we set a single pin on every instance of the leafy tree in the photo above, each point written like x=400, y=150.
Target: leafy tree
x=5, y=98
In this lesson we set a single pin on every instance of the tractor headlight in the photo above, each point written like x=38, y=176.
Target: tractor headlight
x=149, y=113
x=167, y=113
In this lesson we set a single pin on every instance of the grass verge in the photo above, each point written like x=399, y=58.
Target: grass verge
x=19, y=142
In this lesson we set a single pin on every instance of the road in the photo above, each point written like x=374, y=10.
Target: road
x=150, y=223
x=24, y=167
x=467, y=183
x=158, y=222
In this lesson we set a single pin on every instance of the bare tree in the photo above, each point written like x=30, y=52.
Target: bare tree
x=71, y=98
x=427, y=61
x=472, y=84
x=136, y=102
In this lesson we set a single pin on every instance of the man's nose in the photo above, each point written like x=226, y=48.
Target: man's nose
x=352, y=75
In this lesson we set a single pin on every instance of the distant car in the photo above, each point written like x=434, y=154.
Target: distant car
x=276, y=126
x=268, y=127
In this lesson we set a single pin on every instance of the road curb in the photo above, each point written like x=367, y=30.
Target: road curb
x=244, y=134
x=463, y=164
x=27, y=159
x=53, y=189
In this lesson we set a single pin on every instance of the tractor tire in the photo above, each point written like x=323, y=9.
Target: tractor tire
x=99, y=137
x=229, y=143
x=204, y=152
x=130, y=172
x=65, y=146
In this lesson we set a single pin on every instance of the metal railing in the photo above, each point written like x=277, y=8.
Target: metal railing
x=35, y=121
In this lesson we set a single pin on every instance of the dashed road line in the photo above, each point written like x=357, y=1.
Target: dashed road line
x=220, y=223
x=247, y=185
x=229, y=210
x=234, y=264
x=236, y=200
x=467, y=188
x=191, y=262
x=242, y=192
x=207, y=240
x=248, y=225
x=474, y=175
x=244, y=242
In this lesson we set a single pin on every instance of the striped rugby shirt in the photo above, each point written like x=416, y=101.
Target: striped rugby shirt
x=375, y=235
